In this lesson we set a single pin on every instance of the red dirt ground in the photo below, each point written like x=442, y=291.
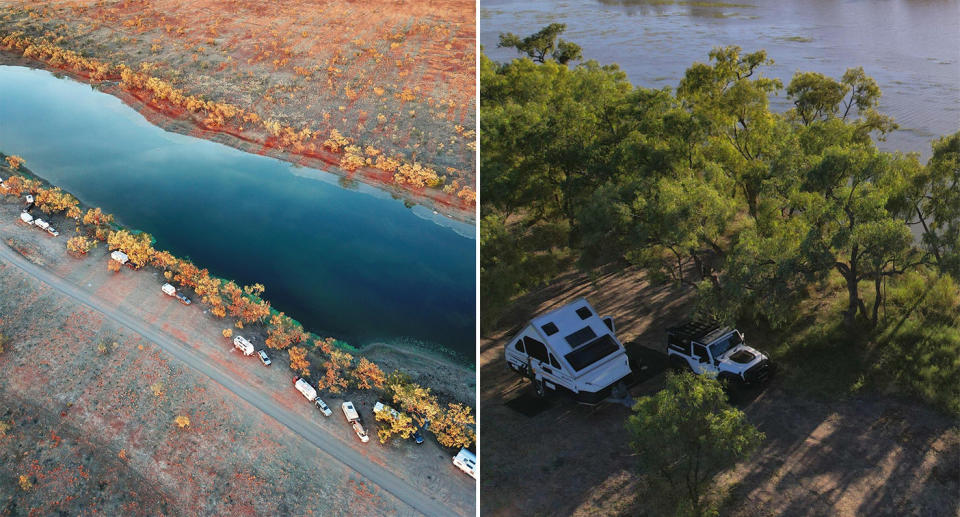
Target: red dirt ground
x=398, y=76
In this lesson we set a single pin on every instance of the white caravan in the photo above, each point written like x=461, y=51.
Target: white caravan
x=570, y=348
x=243, y=345
x=119, y=256
x=305, y=389
x=467, y=462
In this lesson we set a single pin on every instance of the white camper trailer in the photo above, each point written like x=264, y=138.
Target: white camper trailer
x=240, y=343
x=119, y=256
x=305, y=388
x=570, y=348
x=25, y=217
x=243, y=345
x=169, y=289
x=467, y=462
x=40, y=223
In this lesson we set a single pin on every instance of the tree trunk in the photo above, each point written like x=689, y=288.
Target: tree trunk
x=877, y=284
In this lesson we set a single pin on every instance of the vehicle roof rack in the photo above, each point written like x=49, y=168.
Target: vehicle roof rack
x=694, y=329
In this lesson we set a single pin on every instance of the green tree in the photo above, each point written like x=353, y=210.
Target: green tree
x=932, y=200
x=684, y=435
x=733, y=95
x=544, y=44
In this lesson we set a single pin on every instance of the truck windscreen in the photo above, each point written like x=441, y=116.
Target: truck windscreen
x=592, y=352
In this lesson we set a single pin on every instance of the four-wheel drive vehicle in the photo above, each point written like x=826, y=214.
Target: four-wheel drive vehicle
x=305, y=389
x=241, y=343
x=708, y=348
x=264, y=358
x=324, y=408
x=570, y=348
x=467, y=462
x=183, y=299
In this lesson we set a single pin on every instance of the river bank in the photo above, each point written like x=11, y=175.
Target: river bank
x=343, y=258
x=446, y=374
x=102, y=435
x=254, y=141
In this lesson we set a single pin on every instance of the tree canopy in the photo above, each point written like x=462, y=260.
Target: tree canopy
x=706, y=187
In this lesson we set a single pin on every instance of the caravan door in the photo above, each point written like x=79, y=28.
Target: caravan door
x=544, y=365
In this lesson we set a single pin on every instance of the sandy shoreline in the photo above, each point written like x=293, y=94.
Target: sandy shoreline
x=322, y=160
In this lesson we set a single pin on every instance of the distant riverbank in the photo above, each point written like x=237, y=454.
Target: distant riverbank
x=344, y=259
x=909, y=48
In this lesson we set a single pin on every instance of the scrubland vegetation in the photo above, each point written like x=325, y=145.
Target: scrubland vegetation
x=375, y=87
x=845, y=258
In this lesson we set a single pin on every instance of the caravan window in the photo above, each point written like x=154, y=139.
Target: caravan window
x=519, y=346
x=536, y=349
x=550, y=328
x=592, y=352
x=580, y=337
x=553, y=362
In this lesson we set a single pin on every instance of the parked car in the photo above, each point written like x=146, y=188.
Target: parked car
x=183, y=299
x=262, y=354
x=324, y=408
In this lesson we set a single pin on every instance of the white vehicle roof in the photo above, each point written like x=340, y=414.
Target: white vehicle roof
x=307, y=390
x=25, y=217
x=119, y=256
x=468, y=460
x=349, y=411
x=242, y=341
x=568, y=320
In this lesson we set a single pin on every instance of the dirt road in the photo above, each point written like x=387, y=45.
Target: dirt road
x=188, y=355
